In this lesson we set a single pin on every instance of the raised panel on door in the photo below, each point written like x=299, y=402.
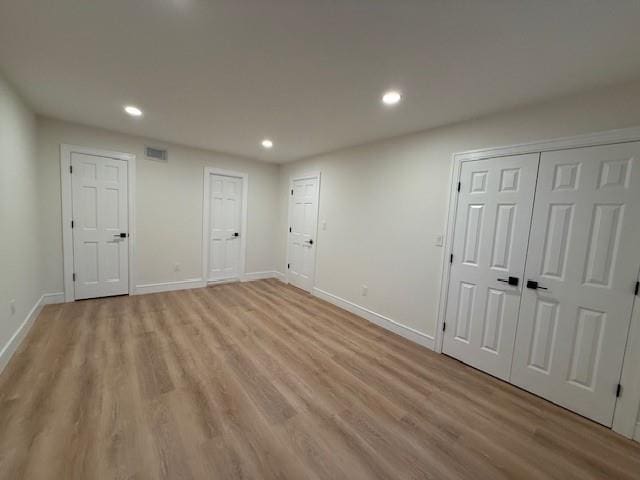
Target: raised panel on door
x=234, y=204
x=490, y=240
x=583, y=254
x=225, y=211
x=303, y=214
x=100, y=216
x=217, y=236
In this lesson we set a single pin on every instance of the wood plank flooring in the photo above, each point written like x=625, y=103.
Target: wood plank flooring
x=260, y=380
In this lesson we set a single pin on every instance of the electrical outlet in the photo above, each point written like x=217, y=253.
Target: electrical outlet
x=324, y=225
x=12, y=306
x=365, y=290
x=176, y=267
x=438, y=240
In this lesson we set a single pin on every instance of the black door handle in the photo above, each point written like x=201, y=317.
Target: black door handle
x=123, y=235
x=511, y=281
x=236, y=234
x=310, y=242
x=533, y=285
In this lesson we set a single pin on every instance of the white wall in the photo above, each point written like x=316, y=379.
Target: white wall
x=168, y=203
x=20, y=238
x=385, y=202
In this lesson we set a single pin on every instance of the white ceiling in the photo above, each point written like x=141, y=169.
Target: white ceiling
x=223, y=74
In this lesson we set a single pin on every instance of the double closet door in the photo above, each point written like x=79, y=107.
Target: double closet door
x=544, y=269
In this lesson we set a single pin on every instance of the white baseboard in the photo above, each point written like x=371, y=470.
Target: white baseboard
x=14, y=342
x=225, y=281
x=170, y=286
x=281, y=276
x=199, y=283
x=380, y=320
x=51, y=298
x=250, y=277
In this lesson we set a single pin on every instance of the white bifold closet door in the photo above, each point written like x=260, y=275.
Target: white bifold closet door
x=583, y=254
x=224, y=227
x=491, y=232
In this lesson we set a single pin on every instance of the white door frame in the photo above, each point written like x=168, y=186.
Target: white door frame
x=313, y=174
x=67, y=210
x=206, y=209
x=628, y=404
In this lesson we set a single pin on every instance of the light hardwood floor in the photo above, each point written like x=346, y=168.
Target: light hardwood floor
x=260, y=380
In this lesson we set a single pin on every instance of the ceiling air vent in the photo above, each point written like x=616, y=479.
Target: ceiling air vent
x=156, y=153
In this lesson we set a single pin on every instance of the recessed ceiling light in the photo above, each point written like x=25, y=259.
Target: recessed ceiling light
x=391, y=97
x=133, y=111
x=266, y=143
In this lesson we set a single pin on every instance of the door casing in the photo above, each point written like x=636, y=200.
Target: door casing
x=67, y=211
x=206, y=210
x=628, y=404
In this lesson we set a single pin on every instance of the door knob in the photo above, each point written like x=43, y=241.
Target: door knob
x=120, y=235
x=236, y=234
x=309, y=242
x=511, y=281
x=533, y=285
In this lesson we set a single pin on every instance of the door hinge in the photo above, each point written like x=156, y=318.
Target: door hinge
x=72, y=224
x=459, y=186
x=637, y=289
x=288, y=266
x=444, y=326
x=451, y=258
x=618, y=391
x=70, y=168
x=74, y=277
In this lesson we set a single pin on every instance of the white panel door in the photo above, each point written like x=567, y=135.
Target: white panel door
x=492, y=224
x=100, y=226
x=303, y=219
x=583, y=252
x=224, y=227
